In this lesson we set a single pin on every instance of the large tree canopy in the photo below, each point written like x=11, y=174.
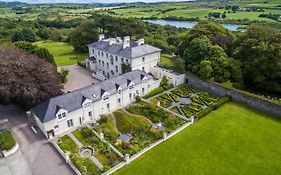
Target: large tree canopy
x=211, y=30
x=259, y=49
x=83, y=35
x=210, y=62
x=26, y=80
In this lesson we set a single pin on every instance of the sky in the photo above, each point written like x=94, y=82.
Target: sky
x=86, y=1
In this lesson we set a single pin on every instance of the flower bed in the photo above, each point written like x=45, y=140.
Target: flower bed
x=143, y=134
x=182, y=91
x=84, y=165
x=101, y=151
x=163, y=101
x=156, y=115
x=106, y=126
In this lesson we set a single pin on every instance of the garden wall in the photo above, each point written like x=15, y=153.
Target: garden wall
x=235, y=95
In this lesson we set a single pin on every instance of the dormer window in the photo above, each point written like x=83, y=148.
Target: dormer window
x=119, y=91
x=86, y=105
x=105, y=98
x=131, y=87
x=62, y=115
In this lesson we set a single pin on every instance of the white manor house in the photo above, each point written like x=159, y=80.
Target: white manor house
x=59, y=115
x=107, y=56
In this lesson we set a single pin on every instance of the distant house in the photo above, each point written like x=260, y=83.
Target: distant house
x=114, y=56
x=65, y=113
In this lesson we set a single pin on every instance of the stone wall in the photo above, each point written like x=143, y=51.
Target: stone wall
x=237, y=96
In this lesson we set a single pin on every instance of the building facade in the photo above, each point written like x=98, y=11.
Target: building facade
x=65, y=113
x=114, y=56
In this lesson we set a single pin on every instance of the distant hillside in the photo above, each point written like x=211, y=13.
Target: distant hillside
x=15, y=3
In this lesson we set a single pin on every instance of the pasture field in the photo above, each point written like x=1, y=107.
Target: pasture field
x=63, y=53
x=234, y=139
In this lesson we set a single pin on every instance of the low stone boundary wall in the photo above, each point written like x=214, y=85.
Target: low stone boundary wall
x=237, y=96
x=135, y=156
x=11, y=151
x=66, y=158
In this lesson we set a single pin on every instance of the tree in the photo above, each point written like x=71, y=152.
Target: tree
x=26, y=80
x=24, y=35
x=210, y=62
x=203, y=28
x=43, y=33
x=205, y=70
x=259, y=49
x=40, y=52
x=63, y=75
x=45, y=54
x=164, y=81
x=83, y=35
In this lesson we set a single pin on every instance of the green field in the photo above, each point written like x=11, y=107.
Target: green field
x=231, y=140
x=63, y=53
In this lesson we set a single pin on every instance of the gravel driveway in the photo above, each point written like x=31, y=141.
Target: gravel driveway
x=78, y=78
x=36, y=155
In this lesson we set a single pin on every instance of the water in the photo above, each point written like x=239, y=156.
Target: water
x=188, y=24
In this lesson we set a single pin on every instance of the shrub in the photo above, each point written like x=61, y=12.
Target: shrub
x=6, y=140
x=203, y=113
x=221, y=102
x=103, y=119
x=168, y=86
x=154, y=92
x=138, y=99
x=63, y=75
x=80, y=63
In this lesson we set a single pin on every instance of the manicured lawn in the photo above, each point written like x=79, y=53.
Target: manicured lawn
x=63, y=53
x=67, y=144
x=231, y=140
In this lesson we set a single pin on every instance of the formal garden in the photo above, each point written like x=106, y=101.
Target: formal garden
x=98, y=147
x=184, y=100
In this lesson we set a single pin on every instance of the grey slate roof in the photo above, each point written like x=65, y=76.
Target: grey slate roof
x=133, y=51
x=71, y=101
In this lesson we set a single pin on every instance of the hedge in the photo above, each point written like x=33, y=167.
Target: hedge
x=221, y=102
x=154, y=92
x=215, y=106
x=6, y=140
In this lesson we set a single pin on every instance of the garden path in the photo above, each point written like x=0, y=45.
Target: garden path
x=80, y=145
x=115, y=124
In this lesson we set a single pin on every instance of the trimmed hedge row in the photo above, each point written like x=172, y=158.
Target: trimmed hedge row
x=154, y=92
x=215, y=106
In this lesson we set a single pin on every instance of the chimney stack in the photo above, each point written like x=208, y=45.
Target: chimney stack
x=101, y=37
x=126, y=42
x=140, y=42
x=127, y=39
x=112, y=41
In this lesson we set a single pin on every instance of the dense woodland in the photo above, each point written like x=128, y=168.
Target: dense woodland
x=249, y=60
